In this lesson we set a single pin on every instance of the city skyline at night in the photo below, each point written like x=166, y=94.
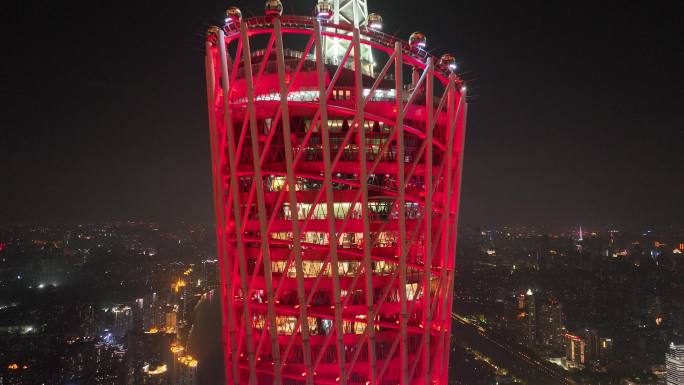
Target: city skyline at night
x=285, y=192
x=574, y=110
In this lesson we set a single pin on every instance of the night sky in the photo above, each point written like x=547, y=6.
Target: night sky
x=576, y=114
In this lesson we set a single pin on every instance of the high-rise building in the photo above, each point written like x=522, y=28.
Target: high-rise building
x=531, y=319
x=598, y=349
x=576, y=350
x=677, y=317
x=210, y=275
x=337, y=153
x=605, y=350
x=526, y=317
x=588, y=348
x=187, y=370
x=171, y=322
x=122, y=322
x=146, y=357
x=550, y=322
x=674, y=363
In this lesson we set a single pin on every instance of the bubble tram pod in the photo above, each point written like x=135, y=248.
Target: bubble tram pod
x=337, y=153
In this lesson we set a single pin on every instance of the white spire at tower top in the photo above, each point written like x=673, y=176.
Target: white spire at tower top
x=581, y=234
x=354, y=12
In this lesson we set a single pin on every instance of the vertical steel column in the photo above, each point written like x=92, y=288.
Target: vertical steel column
x=320, y=192
x=332, y=233
x=460, y=117
x=218, y=199
x=292, y=193
x=261, y=213
x=228, y=127
x=355, y=15
x=427, y=309
x=447, y=223
x=336, y=14
x=331, y=42
x=360, y=112
x=355, y=201
x=401, y=198
x=251, y=115
x=267, y=266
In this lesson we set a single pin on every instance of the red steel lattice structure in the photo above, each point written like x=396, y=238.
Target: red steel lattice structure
x=336, y=201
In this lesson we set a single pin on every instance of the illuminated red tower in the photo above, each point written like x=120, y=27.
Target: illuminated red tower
x=337, y=153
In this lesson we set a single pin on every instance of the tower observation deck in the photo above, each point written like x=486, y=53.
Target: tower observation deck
x=337, y=170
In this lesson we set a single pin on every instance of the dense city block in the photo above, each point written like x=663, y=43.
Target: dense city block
x=102, y=304
x=132, y=303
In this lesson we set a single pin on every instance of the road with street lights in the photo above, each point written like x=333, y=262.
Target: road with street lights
x=522, y=364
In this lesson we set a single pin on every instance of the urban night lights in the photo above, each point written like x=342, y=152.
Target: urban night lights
x=337, y=155
x=307, y=207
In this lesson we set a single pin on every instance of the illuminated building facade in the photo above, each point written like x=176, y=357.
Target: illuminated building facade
x=576, y=350
x=674, y=363
x=187, y=370
x=337, y=153
x=550, y=323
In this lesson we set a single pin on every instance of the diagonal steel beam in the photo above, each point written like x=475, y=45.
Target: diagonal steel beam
x=370, y=327
x=261, y=213
x=310, y=213
x=252, y=189
x=445, y=315
x=401, y=184
x=236, y=202
x=427, y=312
x=218, y=199
x=296, y=237
x=455, y=203
x=339, y=331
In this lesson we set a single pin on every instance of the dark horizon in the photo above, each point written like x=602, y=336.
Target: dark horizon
x=575, y=114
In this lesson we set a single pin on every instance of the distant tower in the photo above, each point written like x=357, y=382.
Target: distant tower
x=580, y=241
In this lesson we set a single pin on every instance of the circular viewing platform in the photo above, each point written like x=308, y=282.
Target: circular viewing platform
x=293, y=24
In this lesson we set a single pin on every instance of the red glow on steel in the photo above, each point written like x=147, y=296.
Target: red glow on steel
x=371, y=252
